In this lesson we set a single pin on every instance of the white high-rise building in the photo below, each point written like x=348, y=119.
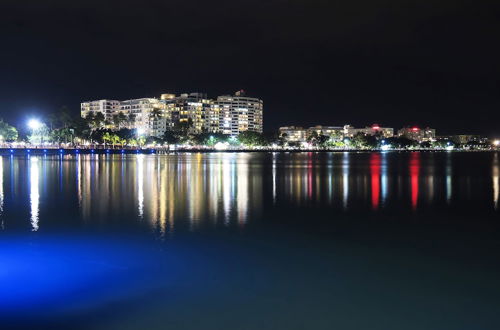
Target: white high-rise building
x=147, y=114
x=227, y=115
x=106, y=107
x=239, y=113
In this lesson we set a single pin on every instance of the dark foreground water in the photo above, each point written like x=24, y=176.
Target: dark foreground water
x=251, y=241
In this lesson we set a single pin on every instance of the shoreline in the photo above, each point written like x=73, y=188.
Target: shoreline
x=164, y=151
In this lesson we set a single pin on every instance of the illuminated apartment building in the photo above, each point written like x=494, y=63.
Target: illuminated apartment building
x=106, y=107
x=293, y=133
x=375, y=129
x=239, y=113
x=199, y=114
x=418, y=134
x=147, y=114
x=193, y=108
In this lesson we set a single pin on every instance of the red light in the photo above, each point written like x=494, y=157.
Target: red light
x=415, y=129
x=375, y=126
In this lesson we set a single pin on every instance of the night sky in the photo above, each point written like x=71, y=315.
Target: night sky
x=393, y=62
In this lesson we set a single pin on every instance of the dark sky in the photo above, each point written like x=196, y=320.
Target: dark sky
x=394, y=62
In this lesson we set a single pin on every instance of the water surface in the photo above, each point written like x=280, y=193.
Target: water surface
x=251, y=240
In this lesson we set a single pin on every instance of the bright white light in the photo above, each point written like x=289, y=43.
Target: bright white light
x=386, y=147
x=449, y=148
x=141, y=131
x=34, y=124
x=496, y=143
x=221, y=146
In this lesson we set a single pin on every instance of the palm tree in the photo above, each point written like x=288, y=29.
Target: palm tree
x=107, y=137
x=115, y=139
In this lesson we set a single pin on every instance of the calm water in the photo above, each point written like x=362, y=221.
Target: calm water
x=251, y=241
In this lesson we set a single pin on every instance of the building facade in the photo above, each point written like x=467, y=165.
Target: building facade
x=194, y=112
x=335, y=133
x=293, y=133
x=107, y=107
x=373, y=130
x=418, y=134
x=239, y=113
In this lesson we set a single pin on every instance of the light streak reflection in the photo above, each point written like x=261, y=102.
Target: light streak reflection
x=496, y=179
x=34, y=193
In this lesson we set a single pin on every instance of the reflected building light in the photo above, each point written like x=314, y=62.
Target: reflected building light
x=2, y=225
x=242, y=197
x=274, y=178
x=345, y=179
x=34, y=193
x=496, y=179
x=430, y=183
x=414, y=174
x=79, y=180
x=448, y=178
x=226, y=188
x=384, y=178
x=163, y=198
x=375, y=179
x=309, y=176
x=215, y=178
x=330, y=182
x=140, y=185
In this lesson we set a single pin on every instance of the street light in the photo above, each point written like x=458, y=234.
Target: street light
x=34, y=124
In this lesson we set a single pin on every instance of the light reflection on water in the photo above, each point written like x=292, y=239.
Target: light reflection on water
x=496, y=178
x=232, y=189
x=34, y=192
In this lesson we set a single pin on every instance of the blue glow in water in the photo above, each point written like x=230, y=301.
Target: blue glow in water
x=11, y=150
x=51, y=273
x=28, y=150
x=44, y=150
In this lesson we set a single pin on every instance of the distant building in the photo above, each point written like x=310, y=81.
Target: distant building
x=144, y=113
x=227, y=114
x=239, y=113
x=293, y=133
x=193, y=108
x=375, y=129
x=299, y=134
x=335, y=132
x=418, y=134
x=467, y=138
x=106, y=107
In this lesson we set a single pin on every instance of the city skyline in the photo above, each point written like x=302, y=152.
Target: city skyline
x=360, y=62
